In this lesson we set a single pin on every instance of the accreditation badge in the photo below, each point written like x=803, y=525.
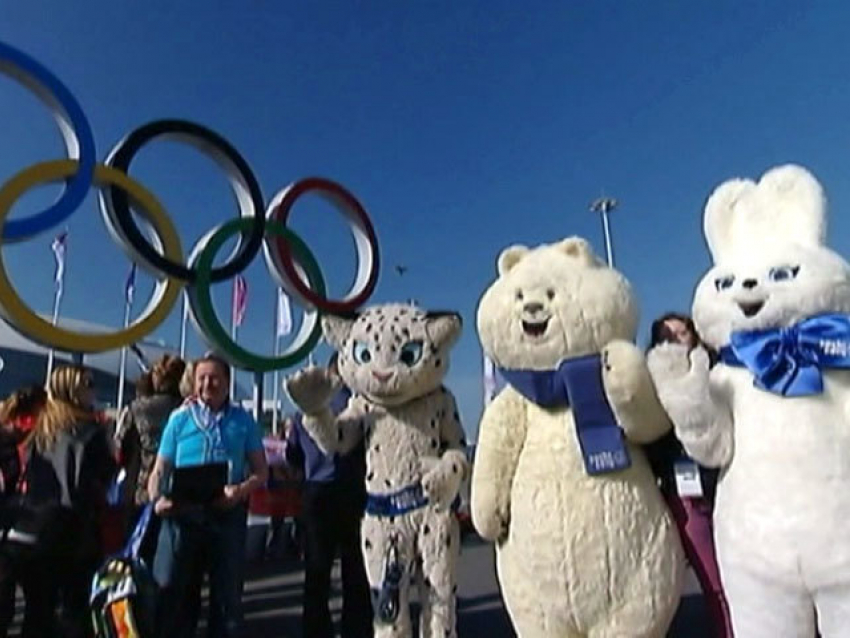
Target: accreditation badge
x=688, y=479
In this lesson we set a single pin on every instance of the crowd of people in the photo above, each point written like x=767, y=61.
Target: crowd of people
x=59, y=459
x=65, y=472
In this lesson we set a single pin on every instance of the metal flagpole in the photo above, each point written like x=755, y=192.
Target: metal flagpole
x=234, y=323
x=122, y=373
x=184, y=315
x=57, y=298
x=58, y=246
x=276, y=394
x=605, y=205
x=276, y=375
x=283, y=327
x=129, y=293
x=233, y=331
x=258, y=396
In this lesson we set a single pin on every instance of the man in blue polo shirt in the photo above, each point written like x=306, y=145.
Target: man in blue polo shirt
x=198, y=539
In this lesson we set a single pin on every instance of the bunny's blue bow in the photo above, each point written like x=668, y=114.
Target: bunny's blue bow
x=789, y=361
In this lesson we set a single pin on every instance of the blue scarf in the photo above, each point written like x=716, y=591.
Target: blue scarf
x=209, y=423
x=577, y=383
x=790, y=361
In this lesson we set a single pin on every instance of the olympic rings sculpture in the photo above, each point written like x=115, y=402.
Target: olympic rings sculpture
x=289, y=260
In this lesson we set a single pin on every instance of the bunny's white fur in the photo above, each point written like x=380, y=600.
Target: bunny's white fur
x=782, y=518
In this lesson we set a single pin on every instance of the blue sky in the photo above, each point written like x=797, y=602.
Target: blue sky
x=463, y=127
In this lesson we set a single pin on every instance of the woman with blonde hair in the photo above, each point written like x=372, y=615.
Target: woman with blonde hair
x=54, y=543
x=187, y=381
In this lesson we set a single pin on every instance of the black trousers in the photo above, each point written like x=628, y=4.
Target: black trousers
x=189, y=547
x=46, y=581
x=22, y=565
x=8, y=581
x=331, y=516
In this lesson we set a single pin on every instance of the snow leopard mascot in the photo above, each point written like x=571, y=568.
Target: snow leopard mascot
x=394, y=358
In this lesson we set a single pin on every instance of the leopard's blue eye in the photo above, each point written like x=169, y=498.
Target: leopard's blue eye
x=724, y=283
x=361, y=353
x=783, y=273
x=411, y=353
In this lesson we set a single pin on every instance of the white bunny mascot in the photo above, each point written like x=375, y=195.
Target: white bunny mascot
x=774, y=413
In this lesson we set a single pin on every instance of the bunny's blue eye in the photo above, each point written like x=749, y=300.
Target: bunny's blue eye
x=361, y=353
x=783, y=273
x=724, y=283
x=411, y=353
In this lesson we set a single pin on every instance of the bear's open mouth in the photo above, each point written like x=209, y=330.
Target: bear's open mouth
x=535, y=328
x=750, y=308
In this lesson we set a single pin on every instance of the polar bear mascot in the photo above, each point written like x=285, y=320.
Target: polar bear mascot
x=585, y=545
x=774, y=413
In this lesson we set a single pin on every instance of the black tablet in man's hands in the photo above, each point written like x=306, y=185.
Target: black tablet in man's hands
x=198, y=484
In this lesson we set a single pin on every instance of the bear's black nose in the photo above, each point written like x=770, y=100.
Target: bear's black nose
x=533, y=307
x=749, y=283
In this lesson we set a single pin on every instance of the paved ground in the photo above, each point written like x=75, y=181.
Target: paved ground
x=273, y=600
x=273, y=595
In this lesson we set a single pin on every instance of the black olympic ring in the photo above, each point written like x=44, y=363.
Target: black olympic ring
x=115, y=205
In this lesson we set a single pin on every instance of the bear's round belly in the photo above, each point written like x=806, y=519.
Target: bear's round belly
x=586, y=543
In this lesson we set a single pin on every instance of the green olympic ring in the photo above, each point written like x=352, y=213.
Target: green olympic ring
x=203, y=312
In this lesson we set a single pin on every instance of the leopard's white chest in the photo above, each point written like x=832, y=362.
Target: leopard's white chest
x=398, y=438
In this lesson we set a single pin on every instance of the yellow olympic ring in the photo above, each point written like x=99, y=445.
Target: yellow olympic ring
x=166, y=292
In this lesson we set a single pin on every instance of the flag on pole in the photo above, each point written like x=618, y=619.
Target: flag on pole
x=284, y=314
x=130, y=286
x=240, y=300
x=58, y=246
x=489, y=380
x=141, y=359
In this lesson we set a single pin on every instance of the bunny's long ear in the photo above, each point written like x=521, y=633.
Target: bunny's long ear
x=786, y=206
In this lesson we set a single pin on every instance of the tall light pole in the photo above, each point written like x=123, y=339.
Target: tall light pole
x=605, y=205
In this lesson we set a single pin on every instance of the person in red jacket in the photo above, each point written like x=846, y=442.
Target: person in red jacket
x=18, y=414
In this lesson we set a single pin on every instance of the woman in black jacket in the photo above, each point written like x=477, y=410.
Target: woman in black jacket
x=53, y=545
x=689, y=488
x=141, y=423
x=138, y=434
x=18, y=414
